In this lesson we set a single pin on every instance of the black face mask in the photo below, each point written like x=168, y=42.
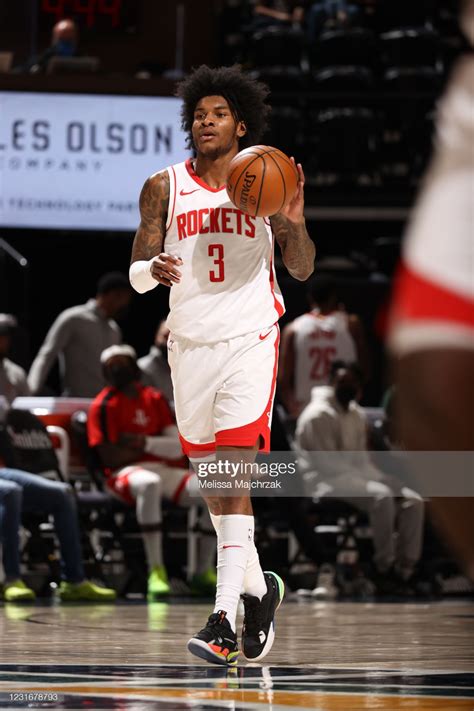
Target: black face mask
x=344, y=394
x=120, y=377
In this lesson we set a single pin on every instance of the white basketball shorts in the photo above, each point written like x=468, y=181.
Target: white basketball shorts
x=223, y=392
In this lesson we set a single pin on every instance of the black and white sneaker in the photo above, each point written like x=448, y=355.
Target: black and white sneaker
x=216, y=642
x=258, y=630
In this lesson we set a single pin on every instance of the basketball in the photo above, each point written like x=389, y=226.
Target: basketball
x=262, y=180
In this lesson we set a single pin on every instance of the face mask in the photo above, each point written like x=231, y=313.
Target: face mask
x=344, y=394
x=121, y=377
x=65, y=48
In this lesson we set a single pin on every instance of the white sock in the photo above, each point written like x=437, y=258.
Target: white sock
x=233, y=547
x=254, y=579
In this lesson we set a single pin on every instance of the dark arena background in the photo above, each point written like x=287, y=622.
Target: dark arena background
x=85, y=118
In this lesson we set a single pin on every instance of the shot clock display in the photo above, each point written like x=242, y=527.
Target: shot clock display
x=95, y=15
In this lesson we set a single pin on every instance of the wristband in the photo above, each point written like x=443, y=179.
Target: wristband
x=140, y=276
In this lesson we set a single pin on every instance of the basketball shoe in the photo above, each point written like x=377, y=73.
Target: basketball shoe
x=87, y=590
x=17, y=591
x=258, y=629
x=158, y=584
x=216, y=642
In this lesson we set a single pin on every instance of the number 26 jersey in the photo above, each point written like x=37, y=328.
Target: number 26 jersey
x=228, y=284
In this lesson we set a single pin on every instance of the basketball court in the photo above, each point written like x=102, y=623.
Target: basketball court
x=326, y=657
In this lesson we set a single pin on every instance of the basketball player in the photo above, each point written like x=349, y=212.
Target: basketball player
x=223, y=345
x=432, y=328
x=313, y=341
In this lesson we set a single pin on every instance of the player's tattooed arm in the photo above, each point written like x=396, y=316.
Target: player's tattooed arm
x=288, y=225
x=150, y=236
x=297, y=248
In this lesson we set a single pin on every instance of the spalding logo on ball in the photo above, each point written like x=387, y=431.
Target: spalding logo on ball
x=262, y=180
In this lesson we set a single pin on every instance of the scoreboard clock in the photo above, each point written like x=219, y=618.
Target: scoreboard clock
x=95, y=15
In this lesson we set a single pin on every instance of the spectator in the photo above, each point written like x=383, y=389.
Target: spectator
x=137, y=441
x=20, y=492
x=333, y=422
x=154, y=366
x=277, y=13
x=330, y=15
x=13, y=381
x=79, y=335
x=313, y=341
x=64, y=43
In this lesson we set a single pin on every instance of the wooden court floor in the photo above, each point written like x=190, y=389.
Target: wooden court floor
x=326, y=657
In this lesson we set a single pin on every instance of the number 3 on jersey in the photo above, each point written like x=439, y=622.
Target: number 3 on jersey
x=213, y=250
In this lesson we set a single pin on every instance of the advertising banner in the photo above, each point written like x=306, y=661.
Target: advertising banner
x=77, y=161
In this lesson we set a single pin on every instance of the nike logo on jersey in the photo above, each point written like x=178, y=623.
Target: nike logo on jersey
x=189, y=192
x=262, y=338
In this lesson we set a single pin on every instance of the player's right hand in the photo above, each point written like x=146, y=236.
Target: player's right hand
x=164, y=269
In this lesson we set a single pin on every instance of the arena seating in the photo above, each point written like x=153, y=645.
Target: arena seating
x=277, y=46
x=351, y=46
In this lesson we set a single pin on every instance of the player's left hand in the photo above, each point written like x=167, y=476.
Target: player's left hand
x=294, y=211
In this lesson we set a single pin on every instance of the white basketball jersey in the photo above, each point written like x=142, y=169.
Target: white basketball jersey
x=318, y=341
x=228, y=285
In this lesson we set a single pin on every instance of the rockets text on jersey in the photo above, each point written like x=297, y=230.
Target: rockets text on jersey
x=228, y=285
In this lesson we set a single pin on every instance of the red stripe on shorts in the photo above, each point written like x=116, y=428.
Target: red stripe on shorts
x=192, y=449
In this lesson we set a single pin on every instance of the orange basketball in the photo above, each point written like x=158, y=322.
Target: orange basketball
x=261, y=180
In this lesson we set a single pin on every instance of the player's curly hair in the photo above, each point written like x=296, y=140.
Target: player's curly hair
x=245, y=96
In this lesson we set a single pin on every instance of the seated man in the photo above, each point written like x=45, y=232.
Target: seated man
x=24, y=492
x=333, y=422
x=137, y=441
